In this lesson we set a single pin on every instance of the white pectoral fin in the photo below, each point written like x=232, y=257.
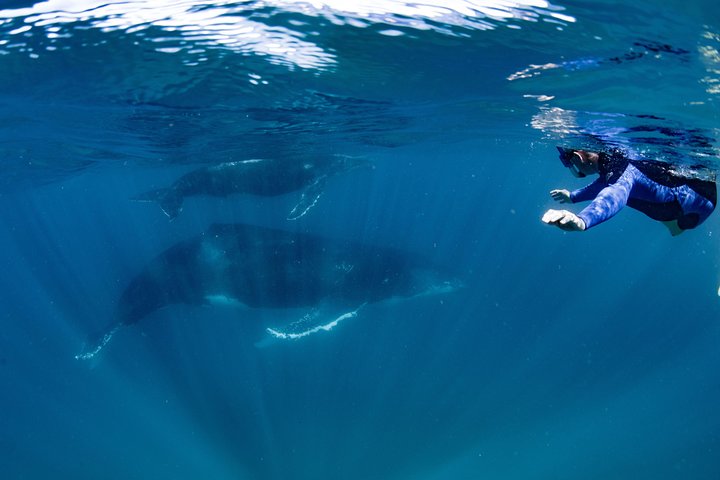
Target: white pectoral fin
x=320, y=320
x=308, y=199
x=169, y=199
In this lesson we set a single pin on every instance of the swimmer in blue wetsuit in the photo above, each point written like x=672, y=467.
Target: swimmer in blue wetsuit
x=680, y=202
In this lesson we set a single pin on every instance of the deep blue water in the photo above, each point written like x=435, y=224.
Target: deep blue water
x=565, y=356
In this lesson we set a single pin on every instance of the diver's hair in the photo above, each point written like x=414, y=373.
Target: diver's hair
x=613, y=156
x=615, y=153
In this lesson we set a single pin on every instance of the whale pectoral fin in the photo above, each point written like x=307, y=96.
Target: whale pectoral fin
x=308, y=199
x=319, y=320
x=170, y=200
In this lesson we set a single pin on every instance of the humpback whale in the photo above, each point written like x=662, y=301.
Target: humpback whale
x=267, y=268
x=264, y=177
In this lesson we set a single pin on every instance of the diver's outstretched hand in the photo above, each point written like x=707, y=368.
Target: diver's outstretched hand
x=564, y=220
x=562, y=196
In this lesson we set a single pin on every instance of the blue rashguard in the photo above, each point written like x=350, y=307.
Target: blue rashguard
x=647, y=186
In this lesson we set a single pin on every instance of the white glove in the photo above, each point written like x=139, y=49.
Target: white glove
x=562, y=196
x=564, y=220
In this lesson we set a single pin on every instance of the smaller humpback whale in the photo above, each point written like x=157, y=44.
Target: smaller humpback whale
x=264, y=177
x=266, y=268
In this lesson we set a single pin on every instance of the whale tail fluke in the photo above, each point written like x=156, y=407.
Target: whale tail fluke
x=169, y=199
x=92, y=346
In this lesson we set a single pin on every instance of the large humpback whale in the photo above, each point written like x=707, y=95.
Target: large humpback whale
x=267, y=268
x=264, y=177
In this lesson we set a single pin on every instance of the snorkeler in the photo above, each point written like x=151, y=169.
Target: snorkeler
x=680, y=202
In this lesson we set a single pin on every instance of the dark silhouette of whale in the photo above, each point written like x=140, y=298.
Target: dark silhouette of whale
x=267, y=268
x=264, y=177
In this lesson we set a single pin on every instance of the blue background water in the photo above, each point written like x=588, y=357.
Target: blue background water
x=566, y=356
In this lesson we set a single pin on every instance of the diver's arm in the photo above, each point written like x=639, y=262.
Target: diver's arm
x=609, y=201
x=588, y=192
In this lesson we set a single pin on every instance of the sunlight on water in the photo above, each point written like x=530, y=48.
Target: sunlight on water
x=193, y=26
x=431, y=15
x=710, y=53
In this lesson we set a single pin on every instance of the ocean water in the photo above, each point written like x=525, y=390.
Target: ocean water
x=591, y=355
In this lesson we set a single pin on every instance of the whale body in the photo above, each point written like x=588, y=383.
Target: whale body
x=261, y=267
x=262, y=177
